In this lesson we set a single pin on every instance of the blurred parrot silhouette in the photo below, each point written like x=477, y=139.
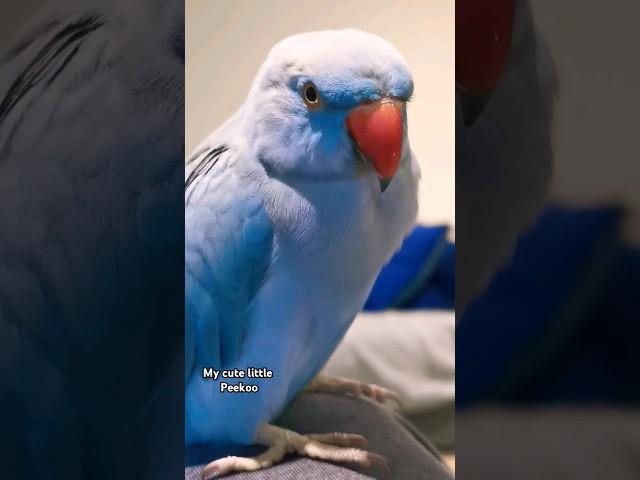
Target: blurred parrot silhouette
x=505, y=88
x=91, y=302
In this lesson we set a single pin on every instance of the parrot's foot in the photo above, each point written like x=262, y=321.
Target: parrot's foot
x=332, y=447
x=375, y=393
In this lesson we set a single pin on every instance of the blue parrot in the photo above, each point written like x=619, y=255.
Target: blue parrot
x=291, y=208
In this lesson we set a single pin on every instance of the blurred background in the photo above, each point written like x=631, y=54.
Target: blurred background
x=91, y=295
x=547, y=383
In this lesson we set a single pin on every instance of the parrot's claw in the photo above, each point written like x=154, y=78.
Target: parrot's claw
x=369, y=391
x=332, y=447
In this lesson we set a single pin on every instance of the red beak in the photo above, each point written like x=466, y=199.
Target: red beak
x=483, y=40
x=377, y=129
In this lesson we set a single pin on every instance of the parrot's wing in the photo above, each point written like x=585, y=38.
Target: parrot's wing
x=228, y=246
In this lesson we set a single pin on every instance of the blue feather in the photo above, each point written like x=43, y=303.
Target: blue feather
x=286, y=230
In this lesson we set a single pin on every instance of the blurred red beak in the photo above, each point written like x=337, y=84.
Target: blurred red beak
x=377, y=130
x=483, y=41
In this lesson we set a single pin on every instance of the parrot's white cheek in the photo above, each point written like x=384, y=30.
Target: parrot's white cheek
x=294, y=144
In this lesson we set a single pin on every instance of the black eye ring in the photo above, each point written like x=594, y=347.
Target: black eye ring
x=310, y=95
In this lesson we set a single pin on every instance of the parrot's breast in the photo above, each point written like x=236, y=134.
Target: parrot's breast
x=331, y=242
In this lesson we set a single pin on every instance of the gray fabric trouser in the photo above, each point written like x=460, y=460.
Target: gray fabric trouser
x=410, y=455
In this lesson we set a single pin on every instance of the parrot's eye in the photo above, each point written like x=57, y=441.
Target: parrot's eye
x=310, y=96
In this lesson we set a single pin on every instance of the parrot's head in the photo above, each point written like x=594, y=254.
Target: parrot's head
x=331, y=105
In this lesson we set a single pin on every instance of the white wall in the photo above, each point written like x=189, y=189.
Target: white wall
x=595, y=48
